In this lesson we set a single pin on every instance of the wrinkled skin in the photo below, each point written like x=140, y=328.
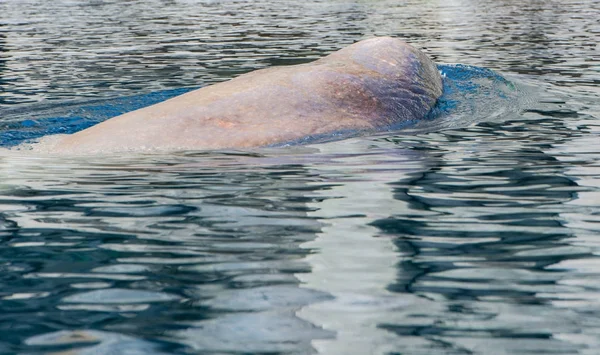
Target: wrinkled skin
x=371, y=85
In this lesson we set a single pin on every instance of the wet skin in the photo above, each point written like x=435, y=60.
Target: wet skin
x=372, y=85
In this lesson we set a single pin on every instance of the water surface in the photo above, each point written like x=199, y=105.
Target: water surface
x=475, y=236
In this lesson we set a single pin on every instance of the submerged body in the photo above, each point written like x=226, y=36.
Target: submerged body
x=371, y=85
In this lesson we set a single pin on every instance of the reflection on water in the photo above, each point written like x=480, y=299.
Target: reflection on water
x=354, y=264
x=477, y=239
x=492, y=271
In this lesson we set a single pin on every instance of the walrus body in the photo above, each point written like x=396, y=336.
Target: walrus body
x=371, y=85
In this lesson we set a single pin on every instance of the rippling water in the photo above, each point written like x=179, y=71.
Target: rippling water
x=479, y=238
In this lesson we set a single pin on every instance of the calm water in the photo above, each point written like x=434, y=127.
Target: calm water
x=479, y=238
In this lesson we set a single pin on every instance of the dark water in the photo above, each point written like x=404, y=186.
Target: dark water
x=481, y=236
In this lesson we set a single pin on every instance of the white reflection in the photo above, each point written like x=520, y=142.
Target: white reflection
x=582, y=216
x=350, y=262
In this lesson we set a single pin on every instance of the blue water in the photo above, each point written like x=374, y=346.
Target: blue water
x=475, y=231
x=65, y=118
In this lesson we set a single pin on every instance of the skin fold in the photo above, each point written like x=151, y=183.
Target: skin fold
x=372, y=85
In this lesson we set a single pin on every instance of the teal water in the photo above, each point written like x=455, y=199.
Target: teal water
x=475, y=232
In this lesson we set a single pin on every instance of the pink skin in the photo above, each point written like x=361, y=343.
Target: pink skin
x=370, y=85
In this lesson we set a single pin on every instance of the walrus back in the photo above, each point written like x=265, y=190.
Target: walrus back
x=371, y=85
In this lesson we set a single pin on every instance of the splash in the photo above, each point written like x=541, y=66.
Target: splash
x=472, y=95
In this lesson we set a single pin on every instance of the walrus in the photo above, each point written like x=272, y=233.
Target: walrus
x=371, y=85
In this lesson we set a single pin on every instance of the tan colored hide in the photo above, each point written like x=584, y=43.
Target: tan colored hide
x=370, y=85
